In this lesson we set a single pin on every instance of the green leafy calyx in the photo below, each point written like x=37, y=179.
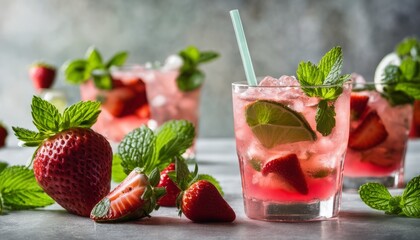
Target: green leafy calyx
x=49, y=121
x=324, y=81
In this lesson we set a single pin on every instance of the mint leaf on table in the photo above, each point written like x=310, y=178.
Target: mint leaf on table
x=118, y=174
x=327, y=72
x=148, y=150
x=377, y=196
x=3, y=166
x=190, y=77
x=93, y=67
x=19, y=190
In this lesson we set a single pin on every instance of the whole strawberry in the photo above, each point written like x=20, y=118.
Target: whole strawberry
x=201, y=200
x=172, y=190
x=72, y=162
x=42, y=75
x=3, y=135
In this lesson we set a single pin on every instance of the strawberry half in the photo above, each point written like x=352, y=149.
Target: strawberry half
x=42, y=75
x=3, y=135
x=129, y=200
x=202, y=202
x=370, y=133
x=72, y=163
x=358, y=105
x=288, y=167
x=172, y=190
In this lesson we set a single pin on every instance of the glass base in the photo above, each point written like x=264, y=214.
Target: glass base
x=354, y=183
x=293, y=212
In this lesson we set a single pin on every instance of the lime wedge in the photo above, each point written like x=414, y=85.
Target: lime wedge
x=274, y=123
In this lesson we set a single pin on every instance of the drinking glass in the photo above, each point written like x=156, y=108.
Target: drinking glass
x=378, y=137
x=289, y=171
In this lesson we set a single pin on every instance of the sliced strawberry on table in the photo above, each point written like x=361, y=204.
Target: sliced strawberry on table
x=132, y=199
x=172, y=190
x=202, y=202
x=370, y=133
x=358, y=105
x=42, y=75
x=288, y=167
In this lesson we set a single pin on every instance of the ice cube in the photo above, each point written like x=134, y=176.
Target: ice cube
x=173, y=62
x=282, y=81
x=158, y=101
x=269, y=81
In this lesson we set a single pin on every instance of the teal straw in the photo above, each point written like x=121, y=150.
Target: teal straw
x=243, y=48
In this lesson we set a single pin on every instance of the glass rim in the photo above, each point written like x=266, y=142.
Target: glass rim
x=245, y=84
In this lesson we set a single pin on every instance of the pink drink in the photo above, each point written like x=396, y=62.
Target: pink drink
x=379, y=156
x=168, y=102
x=124, y=107
x=280, y=195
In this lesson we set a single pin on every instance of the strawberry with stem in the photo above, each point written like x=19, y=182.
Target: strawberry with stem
x=72, y=163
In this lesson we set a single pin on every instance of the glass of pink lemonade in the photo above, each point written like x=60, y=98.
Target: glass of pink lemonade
x=168, y=102
x=289, y=170
x=124, y=107
x=378, y=137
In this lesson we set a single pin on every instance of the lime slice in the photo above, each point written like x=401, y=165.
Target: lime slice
x=274, y=123
x=391, y=58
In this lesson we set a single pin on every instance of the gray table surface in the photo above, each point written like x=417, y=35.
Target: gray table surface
x=218, y=158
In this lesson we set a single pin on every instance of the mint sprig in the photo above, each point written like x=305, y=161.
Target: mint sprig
x=19, y=189
x=147, y=150
x=93, y=67
x=49, y=121
x=191, y=77
x=327, y=73
x=377, y=196
x=403, y=81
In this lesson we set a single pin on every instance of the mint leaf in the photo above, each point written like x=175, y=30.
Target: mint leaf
x=409, y=88
x=28, y=137
x=325, y=118
x=411, y=198
x=409, y=68
x=407, y=46
x=75, y=72
x=117, y=60
x=19, y=189
x=190, y=77
x=93, y=58
x=309, y=75
x=81, y=114
x=375, y=195
x=3, y=165
x=331, y=64
x=173, y=138
x=137, y=150
x=394, y=206
x=46, y=117
x=207, y=56
x=118, y=174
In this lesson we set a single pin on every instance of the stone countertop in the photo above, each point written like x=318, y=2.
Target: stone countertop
x=218, y=158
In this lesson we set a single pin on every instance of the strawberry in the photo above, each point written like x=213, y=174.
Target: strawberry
x=172, y=190
x=287, y=167
x=123, y=101
x=370, y=133
x=132, y=199
x=201, y=197
x=202, y=202
x=358, y=105
x=42, y=75
x=3, y=135
x=72, y=162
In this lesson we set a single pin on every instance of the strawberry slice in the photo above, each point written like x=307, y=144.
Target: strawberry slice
x=127, y=200
x=358, y=105
x=370, y=133
x=288, y=167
